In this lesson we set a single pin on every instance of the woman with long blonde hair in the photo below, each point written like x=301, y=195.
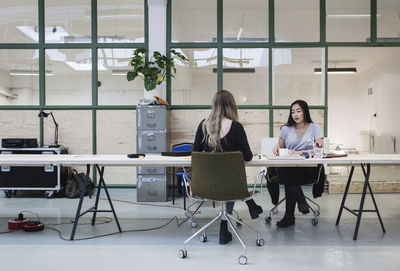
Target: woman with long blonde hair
x=222, y=132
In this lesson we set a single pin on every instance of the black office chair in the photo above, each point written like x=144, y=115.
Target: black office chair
x=220, y=177
x=273, y=178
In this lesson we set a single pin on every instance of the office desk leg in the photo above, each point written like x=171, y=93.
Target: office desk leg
x=93, y=209
x=345, y=195
x=361, y=209
x=101, y=172
x=173, y=186
x=376, y=207
x=96, y=204
x=78, y=211
x=376, y=210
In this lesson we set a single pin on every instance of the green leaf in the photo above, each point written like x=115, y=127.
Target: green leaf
x=156, y=55
x=150, y=84
x=131, y=75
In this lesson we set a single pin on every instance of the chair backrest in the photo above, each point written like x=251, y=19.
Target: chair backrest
x=267, y=144
x=219, y=176
x=182, y=147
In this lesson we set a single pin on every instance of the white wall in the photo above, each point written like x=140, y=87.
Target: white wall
x=351, y=109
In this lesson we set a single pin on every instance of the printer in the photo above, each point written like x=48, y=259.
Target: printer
x=19, y=143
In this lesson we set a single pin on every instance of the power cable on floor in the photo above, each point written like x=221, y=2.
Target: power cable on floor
x=106, y=220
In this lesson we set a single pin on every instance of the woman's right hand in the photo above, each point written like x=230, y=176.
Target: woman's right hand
x=275, y=150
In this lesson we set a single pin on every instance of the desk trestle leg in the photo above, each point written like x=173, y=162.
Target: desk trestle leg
x=358, y=212
x=93, y=209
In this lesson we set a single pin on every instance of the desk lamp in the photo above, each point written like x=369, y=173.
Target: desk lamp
x=45, y=115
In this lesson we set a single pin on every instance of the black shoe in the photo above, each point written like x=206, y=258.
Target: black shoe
x=254, y=209
x=285, y=222
x=224, y=235
x=304, y=208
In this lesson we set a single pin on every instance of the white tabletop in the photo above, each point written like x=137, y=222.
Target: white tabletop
x=158, y=160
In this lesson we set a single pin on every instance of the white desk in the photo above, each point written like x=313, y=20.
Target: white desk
x=100, y=161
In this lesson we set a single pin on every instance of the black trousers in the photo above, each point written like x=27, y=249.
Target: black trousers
x=292, y=178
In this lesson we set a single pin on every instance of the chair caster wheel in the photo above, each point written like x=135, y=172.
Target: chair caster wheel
x=242, y=260
x=203, y=238
x=182, y=253
x=260, y=242
x=8, y=193
x=194, y=224
x=48, y=195
x=314, y=221
x=268, y=219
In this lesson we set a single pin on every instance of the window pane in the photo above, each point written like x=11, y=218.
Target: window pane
x=246, y=74
x=388, y=20
x=19, y=123
x=297, y=21
x=19, y=77
x=115, y=88
x=72, y=76
x=347, y=20
x=19, y=21
x=110, y=142
x=194, y=21
x=195, y=83
x=245, y=21
x=294, y=76
x=74, y=131
x=369, y=96
x=67, y=21
x=120, y=21
x=281, y=117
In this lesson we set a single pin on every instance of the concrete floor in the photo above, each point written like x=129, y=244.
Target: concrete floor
x=301, y=247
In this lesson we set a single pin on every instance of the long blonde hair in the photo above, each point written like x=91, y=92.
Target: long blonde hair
x=223, y=105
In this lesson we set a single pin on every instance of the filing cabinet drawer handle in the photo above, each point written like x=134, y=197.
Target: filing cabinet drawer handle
x=151, y=148
x=151, y=125
x=151, y=137
x=151, y=114
x=151, y=170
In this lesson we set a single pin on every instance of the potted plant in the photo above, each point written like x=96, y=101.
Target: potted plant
x=154, y=71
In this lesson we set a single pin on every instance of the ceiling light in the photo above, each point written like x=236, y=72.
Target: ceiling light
x=119, y=72
x=52, y=33
x=385, y=39
x=237, y=70
x=84, y=66
x=350, y=16
x=337, y=70
x=29, y=72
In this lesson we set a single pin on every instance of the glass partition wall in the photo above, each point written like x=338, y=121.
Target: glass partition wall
x=70, y=57
x=67, y=57
x=270, y=53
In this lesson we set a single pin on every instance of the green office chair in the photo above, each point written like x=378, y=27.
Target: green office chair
x=220, y=177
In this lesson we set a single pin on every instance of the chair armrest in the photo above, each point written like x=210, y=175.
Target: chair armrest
x=258, y=181
x=186, y=182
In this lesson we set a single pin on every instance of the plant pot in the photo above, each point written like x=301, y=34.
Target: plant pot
x=159, y=91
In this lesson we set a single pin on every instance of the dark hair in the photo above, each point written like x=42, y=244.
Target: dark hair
x=304, y=108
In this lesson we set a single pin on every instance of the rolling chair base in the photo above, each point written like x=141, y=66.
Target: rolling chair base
x=203, y=237
x=315, y=211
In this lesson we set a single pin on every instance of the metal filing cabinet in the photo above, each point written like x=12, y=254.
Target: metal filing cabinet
x=151, y=138
x=47, y=178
